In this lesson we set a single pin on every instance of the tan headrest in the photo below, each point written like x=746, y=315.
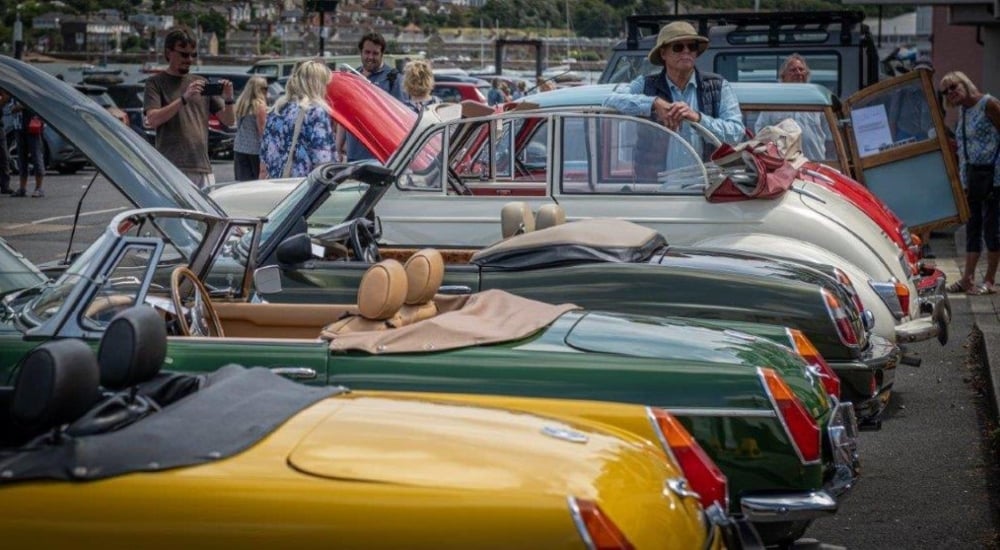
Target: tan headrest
x=382, y=290
x=516, y=218
x=424, y=273
x=549, y=215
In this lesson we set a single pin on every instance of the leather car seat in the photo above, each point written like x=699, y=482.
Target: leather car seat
x=380, y=296
x=516, y=218
x=424, y=273
x=549, y=215
x=57, y=383
x=132, y=349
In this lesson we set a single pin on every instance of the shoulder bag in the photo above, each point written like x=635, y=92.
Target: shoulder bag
x=287, y=171
x=978, y=177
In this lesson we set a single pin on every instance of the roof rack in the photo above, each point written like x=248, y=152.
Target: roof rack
x=773, y=20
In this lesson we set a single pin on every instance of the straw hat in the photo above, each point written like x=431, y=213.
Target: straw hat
x=676, y=31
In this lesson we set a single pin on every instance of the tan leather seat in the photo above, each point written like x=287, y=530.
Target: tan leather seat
x=516, y=218
x=549, y=215
x=380, y=296
x=424, y=273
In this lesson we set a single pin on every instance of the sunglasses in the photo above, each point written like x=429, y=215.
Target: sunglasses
x=678, y=47
x=186, y=55
x=949, y=89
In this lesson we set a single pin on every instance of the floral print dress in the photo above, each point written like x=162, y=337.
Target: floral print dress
x=314, y=147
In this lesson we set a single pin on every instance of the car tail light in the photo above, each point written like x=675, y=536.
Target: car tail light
x=845, y=281
x=805, y=348
x=845, y=329
x=705, y=477
x=903, y=294
x=799, y=425
x=596, y=528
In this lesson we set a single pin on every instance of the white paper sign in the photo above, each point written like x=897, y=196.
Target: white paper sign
x=871, y=129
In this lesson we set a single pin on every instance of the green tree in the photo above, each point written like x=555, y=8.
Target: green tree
x=595, y=18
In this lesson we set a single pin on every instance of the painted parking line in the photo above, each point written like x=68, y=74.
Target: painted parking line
x=69, y=216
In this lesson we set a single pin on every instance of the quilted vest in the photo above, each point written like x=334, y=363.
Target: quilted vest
x=709, y=95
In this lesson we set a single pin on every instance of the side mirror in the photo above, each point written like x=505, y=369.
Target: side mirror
x=267, y=279
x=295, y=250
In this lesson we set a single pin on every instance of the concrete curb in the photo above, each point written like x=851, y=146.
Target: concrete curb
x=985, y=309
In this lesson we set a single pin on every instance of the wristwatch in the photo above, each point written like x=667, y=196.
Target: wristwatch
x=230, y=101
x=184, y=100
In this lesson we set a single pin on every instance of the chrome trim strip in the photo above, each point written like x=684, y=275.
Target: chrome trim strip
x=788, y=507
x=574, y=512
x=298, y=373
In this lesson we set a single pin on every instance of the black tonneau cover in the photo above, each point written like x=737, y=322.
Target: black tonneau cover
x=584, y=241
x=236, y=408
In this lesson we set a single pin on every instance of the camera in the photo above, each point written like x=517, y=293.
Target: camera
x=212, y=88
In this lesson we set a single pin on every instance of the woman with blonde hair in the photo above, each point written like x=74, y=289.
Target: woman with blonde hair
x=978, y=135
x=251, y=113
x=298, y=133
x=418, y=82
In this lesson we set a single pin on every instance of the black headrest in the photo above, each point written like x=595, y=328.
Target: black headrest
x=133, y=348
x=57, y=383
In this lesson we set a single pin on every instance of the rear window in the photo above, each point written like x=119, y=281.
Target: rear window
x=764, y=66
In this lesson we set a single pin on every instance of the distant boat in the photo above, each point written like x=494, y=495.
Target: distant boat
x=104, y=72
x=152, y=67
x=81, y=67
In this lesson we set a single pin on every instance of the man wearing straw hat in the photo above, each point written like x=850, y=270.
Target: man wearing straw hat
x=680, y=92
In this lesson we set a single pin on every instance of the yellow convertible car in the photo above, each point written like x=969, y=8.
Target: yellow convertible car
x=104, y=449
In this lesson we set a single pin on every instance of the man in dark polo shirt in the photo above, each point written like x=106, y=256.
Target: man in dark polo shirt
x=177, y=108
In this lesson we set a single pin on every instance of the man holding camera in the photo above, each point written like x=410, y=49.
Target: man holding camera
x=177, y=105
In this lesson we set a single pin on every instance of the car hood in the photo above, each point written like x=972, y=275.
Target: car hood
x=378, y=120
x=133, y=166
x=417, y=442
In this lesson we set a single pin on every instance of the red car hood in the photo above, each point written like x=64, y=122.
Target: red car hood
x=378, y=120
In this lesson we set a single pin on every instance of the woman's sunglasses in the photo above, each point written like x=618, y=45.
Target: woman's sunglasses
x=678, y=47
x=949, y=89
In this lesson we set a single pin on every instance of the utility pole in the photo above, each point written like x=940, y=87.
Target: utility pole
x=18, y=35
x=322, y=6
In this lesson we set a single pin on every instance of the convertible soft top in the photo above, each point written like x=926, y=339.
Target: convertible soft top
x=235, y=408
x=594, y=240
x=488, y=317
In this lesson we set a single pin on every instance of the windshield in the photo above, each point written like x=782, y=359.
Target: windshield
x=334, y=209
x=52, y=297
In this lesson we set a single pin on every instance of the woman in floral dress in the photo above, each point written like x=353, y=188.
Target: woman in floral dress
x=304, y=102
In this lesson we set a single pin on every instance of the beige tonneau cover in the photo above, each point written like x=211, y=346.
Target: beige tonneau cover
x=488, y=317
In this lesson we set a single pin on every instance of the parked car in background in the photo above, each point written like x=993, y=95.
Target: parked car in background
x=456, y=92
x=61, y=155
x=101, y=96
x=750, y=47
x=129, y=98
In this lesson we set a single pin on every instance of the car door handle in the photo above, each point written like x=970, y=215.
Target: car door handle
x=298, y=373
x=503, y=192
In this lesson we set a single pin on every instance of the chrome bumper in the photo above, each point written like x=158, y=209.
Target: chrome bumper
x=932, y=298
x=809, y=505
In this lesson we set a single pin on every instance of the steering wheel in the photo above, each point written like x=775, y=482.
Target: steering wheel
x=363, y=244
x=204, y=320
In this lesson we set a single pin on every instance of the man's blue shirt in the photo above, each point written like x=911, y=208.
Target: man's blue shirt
x=394, y=86
x=728, y=126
